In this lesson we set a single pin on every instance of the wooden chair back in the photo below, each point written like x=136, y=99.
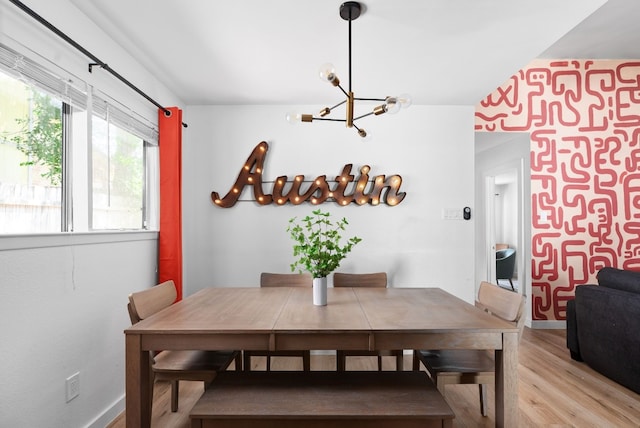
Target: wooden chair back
x=378, y=279
x=268, y=279
x=504, y=304
x=174, y=366
x=474, y=366
x=143, y=304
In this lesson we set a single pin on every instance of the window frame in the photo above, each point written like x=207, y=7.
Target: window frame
x=78, y=98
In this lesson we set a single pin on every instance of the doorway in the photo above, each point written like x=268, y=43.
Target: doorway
x=503, y=199
x=503, y=194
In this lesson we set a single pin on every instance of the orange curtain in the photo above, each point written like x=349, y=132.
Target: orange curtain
x=170, y=236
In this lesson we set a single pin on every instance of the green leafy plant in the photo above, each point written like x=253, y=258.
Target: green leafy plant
x=41, y=136
x=317, y=243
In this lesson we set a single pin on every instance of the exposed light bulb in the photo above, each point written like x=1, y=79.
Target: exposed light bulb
x=392, y=105
x=294, y=117
x=327, y=73
x=364, y=137
x=404, y=100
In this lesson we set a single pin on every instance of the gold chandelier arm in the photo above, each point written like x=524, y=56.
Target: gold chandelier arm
x=350, y=110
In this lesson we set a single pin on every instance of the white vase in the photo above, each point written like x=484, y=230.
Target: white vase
x=320, y=291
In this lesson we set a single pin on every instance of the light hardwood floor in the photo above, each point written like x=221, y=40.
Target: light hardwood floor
x=554, y=391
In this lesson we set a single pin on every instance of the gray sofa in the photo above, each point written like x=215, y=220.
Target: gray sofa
x=603, y=326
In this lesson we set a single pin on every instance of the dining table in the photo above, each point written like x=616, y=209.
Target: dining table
x=284, y=318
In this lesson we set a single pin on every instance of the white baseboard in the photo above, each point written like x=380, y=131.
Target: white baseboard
x=549, y=325
x=109, y=414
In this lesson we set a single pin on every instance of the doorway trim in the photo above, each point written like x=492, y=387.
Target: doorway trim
x=498, y=153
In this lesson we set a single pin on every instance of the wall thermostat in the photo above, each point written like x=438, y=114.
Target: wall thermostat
x=466, y=213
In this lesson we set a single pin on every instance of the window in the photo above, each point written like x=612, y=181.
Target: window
x=118, y=177
x=30, y=159
x=71, y=158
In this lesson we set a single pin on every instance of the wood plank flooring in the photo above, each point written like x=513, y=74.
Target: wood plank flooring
x=554, y=391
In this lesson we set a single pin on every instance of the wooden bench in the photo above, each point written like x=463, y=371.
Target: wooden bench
x=321, y=399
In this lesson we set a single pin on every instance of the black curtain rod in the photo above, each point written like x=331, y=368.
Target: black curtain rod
x=97, y=62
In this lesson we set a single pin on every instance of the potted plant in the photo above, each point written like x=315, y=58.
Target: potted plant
x=318, y=248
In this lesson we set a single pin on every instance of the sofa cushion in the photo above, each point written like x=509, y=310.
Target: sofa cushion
x=608, y=336
x=619, y=279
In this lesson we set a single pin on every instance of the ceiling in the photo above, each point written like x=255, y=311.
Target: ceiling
x=442, y=52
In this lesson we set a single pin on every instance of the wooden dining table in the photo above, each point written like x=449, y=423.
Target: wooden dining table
x=284, y=318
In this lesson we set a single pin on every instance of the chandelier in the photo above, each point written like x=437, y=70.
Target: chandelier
x=349, y=11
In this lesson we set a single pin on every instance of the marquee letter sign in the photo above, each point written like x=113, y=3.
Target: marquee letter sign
x=347, y=188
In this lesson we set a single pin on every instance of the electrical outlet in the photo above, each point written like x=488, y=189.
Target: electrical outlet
x=73, y=386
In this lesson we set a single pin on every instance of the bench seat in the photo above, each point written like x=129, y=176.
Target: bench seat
x=321, y=399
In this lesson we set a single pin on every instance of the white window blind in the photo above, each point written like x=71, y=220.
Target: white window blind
x=110, y=110
x=69, y=90
x=74, y=91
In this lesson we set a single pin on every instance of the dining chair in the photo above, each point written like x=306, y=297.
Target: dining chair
x=174, y=366
x=473, y=366
x=377, y=279
x=268, y=279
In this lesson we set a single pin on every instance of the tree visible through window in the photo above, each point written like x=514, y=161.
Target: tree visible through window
x=118, y=177
x=31, y=159
x=40, y=136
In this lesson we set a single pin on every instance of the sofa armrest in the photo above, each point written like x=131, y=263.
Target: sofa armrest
x=619, y=279
x=572, y=331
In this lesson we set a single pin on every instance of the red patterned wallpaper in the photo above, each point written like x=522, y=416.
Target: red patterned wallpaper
x=584, y=121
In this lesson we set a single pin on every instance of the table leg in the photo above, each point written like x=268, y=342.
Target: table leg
x=138, y=382
x=507, y=410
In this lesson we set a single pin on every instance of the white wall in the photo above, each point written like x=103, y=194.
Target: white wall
x=430, y=147
x=63, y=310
